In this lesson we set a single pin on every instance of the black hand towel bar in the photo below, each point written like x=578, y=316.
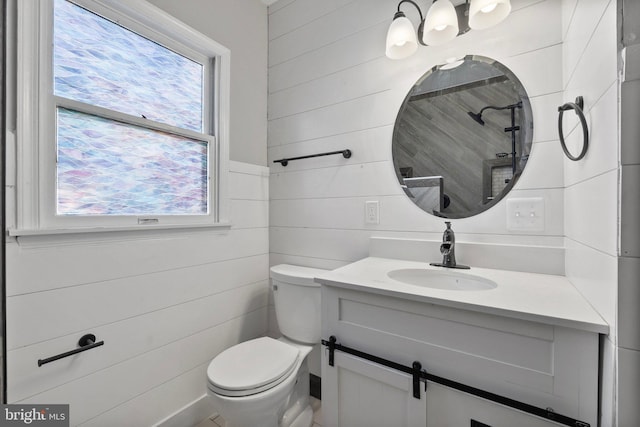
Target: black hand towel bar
x=87, y=342
x=285, y=162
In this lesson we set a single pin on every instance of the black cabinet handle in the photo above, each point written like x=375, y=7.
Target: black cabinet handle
x=87, y=342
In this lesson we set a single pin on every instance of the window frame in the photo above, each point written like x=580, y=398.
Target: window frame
x=37, y=147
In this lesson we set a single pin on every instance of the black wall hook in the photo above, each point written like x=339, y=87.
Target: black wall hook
x=578, y=107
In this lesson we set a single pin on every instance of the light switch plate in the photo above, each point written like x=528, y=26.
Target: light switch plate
x=371, y=212
x=525, y=214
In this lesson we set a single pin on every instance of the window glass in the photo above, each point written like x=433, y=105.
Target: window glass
x=101, y=63
x=111, y=168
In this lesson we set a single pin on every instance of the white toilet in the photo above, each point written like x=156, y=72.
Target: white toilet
x=264, y=382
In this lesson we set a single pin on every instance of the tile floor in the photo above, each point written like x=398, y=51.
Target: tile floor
x=316, y=404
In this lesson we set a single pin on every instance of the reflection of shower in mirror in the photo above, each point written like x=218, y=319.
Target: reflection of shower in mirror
x=513, y=128
x=435, y=135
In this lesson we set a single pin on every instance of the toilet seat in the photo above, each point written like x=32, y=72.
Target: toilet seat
x=251, y=367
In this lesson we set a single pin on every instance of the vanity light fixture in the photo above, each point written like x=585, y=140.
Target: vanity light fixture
x=401, y=37
x=487, y=13
x=443, y=23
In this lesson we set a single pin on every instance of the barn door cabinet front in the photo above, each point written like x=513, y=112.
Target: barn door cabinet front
x=360, y=393
x=542, y=365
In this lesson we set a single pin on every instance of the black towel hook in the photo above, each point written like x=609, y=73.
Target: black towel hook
x=578, y=107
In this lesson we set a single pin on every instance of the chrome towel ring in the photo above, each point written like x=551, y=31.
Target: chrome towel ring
x=578, y=108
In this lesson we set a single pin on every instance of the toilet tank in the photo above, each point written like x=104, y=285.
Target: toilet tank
x=297, y=301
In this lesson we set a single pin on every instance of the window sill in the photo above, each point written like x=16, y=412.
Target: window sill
x=45, y=237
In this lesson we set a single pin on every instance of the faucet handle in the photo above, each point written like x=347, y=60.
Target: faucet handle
x=448, y=249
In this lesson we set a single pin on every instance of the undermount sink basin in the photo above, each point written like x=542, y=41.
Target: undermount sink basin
x=441, y=280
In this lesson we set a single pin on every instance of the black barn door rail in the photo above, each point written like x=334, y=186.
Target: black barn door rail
x=420, y=374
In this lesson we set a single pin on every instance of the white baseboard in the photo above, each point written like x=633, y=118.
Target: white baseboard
x=191, y=414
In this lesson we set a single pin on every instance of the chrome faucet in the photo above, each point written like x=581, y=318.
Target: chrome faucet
x=448, y=250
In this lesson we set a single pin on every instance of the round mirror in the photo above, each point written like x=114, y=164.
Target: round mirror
x=462, y=137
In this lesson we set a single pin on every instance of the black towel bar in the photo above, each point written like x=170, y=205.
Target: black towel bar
x=578, y=107
x=285, y=162
x=87, y=342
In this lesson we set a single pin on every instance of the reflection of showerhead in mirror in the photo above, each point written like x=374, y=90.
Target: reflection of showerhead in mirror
x=476, y=117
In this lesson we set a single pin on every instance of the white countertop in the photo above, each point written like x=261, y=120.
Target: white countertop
x=543, y=298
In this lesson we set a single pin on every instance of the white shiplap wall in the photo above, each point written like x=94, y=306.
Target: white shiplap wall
x=590, y=69
x=331, y=87
x=165, y=304
x=591, y=196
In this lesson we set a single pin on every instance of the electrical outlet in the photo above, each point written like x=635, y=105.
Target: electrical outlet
x=371, y=212
x=525, y=214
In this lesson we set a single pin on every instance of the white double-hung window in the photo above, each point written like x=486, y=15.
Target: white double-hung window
x=121, y=121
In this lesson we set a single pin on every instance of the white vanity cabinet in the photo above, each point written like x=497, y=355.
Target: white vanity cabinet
x=356, y=392
x=451, y=408
x=538, y=363
x=359, y=393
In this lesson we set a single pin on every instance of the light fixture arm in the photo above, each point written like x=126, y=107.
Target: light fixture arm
x=420, y=26
x=413, y=3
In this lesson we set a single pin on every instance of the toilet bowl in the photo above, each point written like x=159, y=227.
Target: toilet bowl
x=264, y=382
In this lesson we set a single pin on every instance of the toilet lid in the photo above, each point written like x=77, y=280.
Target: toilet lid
x=256, y=364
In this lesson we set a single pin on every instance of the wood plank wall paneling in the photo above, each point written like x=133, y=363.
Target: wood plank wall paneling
x=165, y=305
x=142, y=373
x=591, y=193
x=592, y=187
x=331, y=87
